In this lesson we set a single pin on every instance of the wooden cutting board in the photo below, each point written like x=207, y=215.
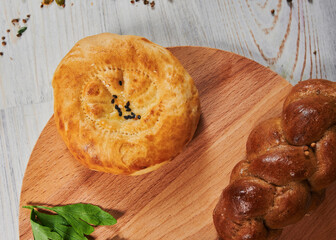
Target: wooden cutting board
x=176, y=201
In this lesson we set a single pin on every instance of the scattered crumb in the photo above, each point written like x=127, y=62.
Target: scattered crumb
x=17, y=27
x=145, y=2
x=314, y=52
x=60, y=3
x=290, y=3
x=272, y=11
x=1, y=53
x=15, y=21
x=47, y=2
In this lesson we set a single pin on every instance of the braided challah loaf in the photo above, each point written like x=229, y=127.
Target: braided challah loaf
x=290, y=161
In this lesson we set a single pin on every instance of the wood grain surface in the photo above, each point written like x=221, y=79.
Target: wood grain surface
x=176, y=201
x=297, y=42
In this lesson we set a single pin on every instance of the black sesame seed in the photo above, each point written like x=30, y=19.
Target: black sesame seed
x=132, y=114
x=115, y=96
x=120, y=83
x=112, y=101
x=128, y=109
x=117, y=107
x=127, y=104
x=126, y=117
x=120, y=114
x=139, y=117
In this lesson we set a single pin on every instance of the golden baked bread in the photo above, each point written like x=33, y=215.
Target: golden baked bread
x=123, y=104
x=289, y=163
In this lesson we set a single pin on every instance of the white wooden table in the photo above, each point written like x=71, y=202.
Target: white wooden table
x=298, y=42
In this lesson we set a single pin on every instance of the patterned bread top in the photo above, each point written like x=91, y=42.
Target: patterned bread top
x=124, y=104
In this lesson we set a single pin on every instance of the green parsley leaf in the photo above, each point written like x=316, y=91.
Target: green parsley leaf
x=77, y=217
x=89, y=213
x=81, y=227
x=41, y=232
x=22, y=30
x=60, y=225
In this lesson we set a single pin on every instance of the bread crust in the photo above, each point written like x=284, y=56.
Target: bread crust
x=108, y=70
x=295, y=154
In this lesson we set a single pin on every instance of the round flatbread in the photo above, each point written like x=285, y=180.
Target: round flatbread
x=123, y=104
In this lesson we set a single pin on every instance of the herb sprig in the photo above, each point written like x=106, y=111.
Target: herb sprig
x=71, y=222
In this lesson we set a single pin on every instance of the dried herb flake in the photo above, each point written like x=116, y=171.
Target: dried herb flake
x=22, y=30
